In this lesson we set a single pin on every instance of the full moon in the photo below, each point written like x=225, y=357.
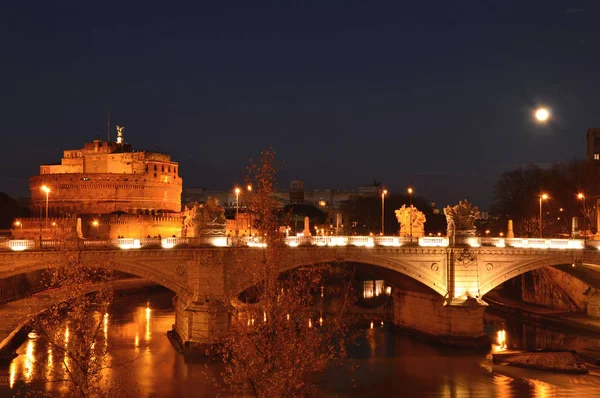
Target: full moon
x=542, y=114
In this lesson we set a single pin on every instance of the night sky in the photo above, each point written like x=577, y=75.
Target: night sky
x=439, y=93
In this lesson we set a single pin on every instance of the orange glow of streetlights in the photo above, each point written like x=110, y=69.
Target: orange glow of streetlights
x=580, y=196
x=383, y=193
x=543, y=196
x=46, y=189
x=249, y=188
x=95, y=223
x=410, y=192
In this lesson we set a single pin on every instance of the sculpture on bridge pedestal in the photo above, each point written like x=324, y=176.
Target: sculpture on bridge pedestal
x=187, y=220
x=206, y=219
x=404, y=215
x=461, y=219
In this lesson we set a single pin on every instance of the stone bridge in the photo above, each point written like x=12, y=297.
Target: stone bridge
x=459, y=276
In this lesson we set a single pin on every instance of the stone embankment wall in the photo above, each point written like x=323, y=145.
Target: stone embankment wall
x=554, y=289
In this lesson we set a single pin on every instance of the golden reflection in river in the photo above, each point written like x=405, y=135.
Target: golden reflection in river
x=49, y=364
x=502, y=386
x=29, y=361
x=147, y=335
x=541, y=389
x=13, y=372
x=67, y=336
x=105, y=328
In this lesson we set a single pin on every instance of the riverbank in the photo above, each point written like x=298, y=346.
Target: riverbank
x=547, y=318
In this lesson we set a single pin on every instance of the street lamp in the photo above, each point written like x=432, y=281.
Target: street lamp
x=47, y=190
x=542, y=197
x=237, y=209
x=581, y=197
x=95, y=224
x=410, y=192
x=383, y=193
x=249, y=188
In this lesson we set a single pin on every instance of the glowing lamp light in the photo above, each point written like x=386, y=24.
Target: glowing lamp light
x=20, y=245
x=45, y=189
x=580, y=196
x=127, y=244
x=167, y=243
x=95, y=223
x=473, y=242
x=219, y=241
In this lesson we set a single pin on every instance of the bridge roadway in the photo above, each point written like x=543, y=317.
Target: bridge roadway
x=204, y=276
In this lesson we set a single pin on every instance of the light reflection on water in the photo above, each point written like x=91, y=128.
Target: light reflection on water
x=388, y=364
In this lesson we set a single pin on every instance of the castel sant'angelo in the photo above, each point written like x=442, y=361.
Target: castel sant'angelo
x=113, y=190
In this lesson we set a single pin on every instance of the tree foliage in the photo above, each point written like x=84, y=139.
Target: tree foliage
x=277, y=345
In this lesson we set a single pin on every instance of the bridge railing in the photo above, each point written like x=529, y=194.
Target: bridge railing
x=294, y=241
x=434, y=241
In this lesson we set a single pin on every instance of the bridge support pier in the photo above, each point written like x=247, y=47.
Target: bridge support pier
x=199, y=325
x=430, y=317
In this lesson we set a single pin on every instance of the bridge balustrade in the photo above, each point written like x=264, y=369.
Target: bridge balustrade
x=21, y=244
x=361, y=241
x=294, y=241
x=435, y=241
x=498, y=242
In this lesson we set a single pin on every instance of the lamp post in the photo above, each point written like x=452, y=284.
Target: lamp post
x=237, y=209
x=581, y=197
x=542, y=197
x=47, y=191
x=249, y=188
x=410, y=192
x=383, y=193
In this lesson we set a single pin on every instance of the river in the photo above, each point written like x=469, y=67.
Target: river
x=388, y=363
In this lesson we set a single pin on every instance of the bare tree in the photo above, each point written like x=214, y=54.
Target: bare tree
x=278, y=343
x=75, y=325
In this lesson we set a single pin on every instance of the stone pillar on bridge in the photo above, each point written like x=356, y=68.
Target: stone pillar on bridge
x=201, y=317
x=464, y=307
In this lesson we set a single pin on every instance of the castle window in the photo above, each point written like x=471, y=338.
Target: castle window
x=154, y=170
x=169, y=169
x=597, y=156
x=163, y=168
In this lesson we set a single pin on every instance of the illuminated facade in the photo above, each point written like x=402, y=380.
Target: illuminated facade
x=107, y=177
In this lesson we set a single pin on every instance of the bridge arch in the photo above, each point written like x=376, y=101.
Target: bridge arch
x=562, y=262
x=161, y=275
x=430, y=270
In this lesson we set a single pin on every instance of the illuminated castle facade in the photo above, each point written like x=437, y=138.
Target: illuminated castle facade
x=106, y=190
x=108, y=177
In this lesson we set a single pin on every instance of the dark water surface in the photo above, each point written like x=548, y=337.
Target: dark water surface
x=388, y=364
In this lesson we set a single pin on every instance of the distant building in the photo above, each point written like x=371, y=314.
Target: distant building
x=105, y=177
x=106, y=190
x=593, y=145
